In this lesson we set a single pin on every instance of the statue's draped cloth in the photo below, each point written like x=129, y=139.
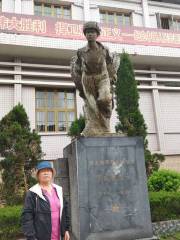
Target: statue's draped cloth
x=94, y=73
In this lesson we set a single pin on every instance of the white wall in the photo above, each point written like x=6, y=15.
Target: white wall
x=146, y=108
x=137, y=19
x=79, y=104
x=28, y=101
x=94, y=14
x=6, y=99
x=17, y=6
x=153, y=21
x=8, y=6
x=170, y=110
x=52, y=145
x=77, y=12
x=110, y=4
x=27, y=7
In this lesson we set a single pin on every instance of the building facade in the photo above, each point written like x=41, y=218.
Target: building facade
x=38, y=39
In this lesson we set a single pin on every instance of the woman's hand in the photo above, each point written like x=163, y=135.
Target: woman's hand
x=66, y=236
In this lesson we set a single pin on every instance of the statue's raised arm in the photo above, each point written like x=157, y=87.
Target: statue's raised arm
x=94, y=71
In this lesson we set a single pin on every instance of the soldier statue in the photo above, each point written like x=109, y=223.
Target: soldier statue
x=94, y=71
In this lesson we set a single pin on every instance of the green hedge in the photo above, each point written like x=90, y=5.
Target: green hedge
x=164, y=180
x=174, y=236
x=164, y=205
x=9, y=222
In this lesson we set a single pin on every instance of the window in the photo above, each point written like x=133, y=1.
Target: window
x=165, y=23
x=38, y=9
x=176, y=24
x=116, y=18
x=55, y=110
x=42, y=9
x=168, y=22
x=48, y=10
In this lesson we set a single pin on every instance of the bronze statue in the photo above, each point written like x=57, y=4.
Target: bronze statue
x=94, y=72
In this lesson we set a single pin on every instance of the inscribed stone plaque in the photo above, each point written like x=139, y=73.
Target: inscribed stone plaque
x=109, y=198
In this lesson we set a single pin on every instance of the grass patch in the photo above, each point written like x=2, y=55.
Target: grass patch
x=175, y=236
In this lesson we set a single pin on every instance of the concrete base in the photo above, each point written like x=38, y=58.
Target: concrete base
x=108, y=189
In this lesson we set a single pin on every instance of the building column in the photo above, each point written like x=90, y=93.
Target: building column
x=17, y=6
x=146, y=18
x=17, y=86
x=86, y=10
x=158, y=116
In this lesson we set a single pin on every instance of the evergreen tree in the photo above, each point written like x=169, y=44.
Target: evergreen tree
x=20, y=149
x=131, y=120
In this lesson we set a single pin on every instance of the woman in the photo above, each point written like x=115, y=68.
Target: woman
x=45, y=214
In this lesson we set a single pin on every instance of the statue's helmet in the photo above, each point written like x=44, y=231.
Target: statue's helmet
x=91, y=25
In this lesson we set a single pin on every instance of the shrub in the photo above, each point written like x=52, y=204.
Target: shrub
x=10, y=222
x=164, y=205
x=165, y=180
x=77, y=127
x=21, y=149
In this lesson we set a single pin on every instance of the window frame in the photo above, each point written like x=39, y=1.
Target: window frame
x=53, y=6
x=163, y=23
x=55, y=109
x=115, y=16
x=173, y=21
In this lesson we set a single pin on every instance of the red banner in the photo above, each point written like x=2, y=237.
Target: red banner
x=68, y=29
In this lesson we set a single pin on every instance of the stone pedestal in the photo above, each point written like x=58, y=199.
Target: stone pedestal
x=109, y=198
